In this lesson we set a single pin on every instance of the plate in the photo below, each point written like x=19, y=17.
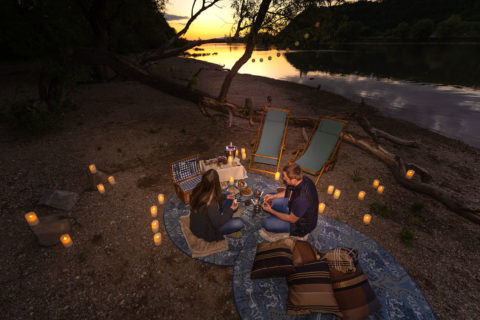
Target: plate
x=246, y=192
x=241, y=186
x=224, y=184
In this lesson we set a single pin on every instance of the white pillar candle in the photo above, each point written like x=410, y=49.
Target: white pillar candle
x=153, y=211
x=230, y=160
x=336, y=194
x=244, y=155
x=92, y=168
x=375, y=183
x=231, y=180
x=330, y=189
x=321, y=207
x=31, y=218
x=380, y=189
x=101, y=188
x=157, y=238
x=161, y=198
x=277, y=175
x=410, y=174
x=361, y=195
x=111, y=180
x=66, y=240
x=236, y=153
x=243, y=150
x=366, y=219
x=155, y=226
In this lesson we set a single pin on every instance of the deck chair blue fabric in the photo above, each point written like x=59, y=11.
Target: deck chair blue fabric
x=321, y=150
x=271, y=138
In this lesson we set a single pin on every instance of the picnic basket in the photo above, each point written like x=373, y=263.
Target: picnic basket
x=185, y=174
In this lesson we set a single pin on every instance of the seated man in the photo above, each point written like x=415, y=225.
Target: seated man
x=294, y=210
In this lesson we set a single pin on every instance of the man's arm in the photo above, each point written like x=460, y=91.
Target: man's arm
x=291, y=218
x=274, y=196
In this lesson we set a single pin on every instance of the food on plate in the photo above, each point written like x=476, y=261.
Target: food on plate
x=233, y=190
x=223, y=184
x=246, y=192
x=241, y=184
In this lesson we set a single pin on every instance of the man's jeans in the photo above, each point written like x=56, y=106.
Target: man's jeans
x=274, y=224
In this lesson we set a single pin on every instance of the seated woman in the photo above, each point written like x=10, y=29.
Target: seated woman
x=211, y=212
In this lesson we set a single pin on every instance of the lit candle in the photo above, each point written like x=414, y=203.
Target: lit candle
x=161, y=198
x=157, y=238
x=231, y=180
x=244, y=156
x=230, y=160
x=376, y=183
x=243, y=150
x=361, y=195
x=101, y=188
x=366, y=219
x=330, y=189
x=277, y=175
x=31, y=218
x=66, y=240
x=380, y=189
x=155, y=226
x=410, y=174
x=236, y=153
x=153, y=211
x=336, y=194
x=92, y=168
x=111, y=180
x=321, y=207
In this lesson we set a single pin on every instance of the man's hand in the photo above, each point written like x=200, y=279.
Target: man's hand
x=268, y=196
x=230, y=196
x=266, y=206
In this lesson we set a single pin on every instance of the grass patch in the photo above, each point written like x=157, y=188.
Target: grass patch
x=82, y=256
x=99, y=148
x=183, y=131
x=356, y=176
x=406, y=236
x=24, y=115
x=380, y=209
x=337, y=218
x=119, y=150
x=417, y=207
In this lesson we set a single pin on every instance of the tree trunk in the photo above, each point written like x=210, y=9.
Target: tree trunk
x=248, y=50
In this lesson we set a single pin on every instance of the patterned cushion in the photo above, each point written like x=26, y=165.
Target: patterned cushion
x=273, y=259
x=342, y=259
x=354, y=295
x=310, y=290
x=304, y=253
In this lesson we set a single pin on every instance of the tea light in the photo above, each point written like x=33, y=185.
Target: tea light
x=101, y=188
x=375, y=183
x=410, y=174
x=336, y=194
x=231, y=180
x=361, y=195
x=92, y=168
x=244, y=156
x=31, y=218
x=380, y=189
x=321, y=207
x=155, y=226
x=330, y=189
x=243, y=150
x=111, y=180
x=230, y=160
x=236, y=153
x=153, y=211
x=161, y=198
x=277, y=175
x=66, y=240
x=157, y=238
x=366, y=219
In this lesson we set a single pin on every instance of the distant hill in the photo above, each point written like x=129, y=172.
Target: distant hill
x=388, y=20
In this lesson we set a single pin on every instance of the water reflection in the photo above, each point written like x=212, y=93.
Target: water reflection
x=448, y=109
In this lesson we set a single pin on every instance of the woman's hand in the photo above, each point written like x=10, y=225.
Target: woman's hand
x=234, y=205
x=230, y=196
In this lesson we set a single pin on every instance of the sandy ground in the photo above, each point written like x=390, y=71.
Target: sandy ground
x=134, y=132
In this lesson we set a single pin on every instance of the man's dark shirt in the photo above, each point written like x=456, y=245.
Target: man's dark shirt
x=304, y=204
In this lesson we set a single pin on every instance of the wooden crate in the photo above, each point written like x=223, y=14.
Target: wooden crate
x=185, y=174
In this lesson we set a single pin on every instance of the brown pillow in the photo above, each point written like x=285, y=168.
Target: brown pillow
x=304, y=253
x=273, y=259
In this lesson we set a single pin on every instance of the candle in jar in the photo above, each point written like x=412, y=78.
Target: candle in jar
x=111, y=180
x=161, y=198
x=375, y=183
x=157, y=238
x=321, y=207
x=410, y=174
x=230, y=160
x=231, y=180
x=366, y=219
x=66, y=240
x=361, y=195
x=330, y=189
x=101, y=188
x=153, y=211
x=380, y=189
x=31, y=218
x=336, y=194
x=155, y=226
x=277, y=175
x=92, y=168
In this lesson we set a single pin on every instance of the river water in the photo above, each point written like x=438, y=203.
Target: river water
x=434, y=86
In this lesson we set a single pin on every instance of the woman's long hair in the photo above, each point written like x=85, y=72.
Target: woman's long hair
x=206, y=191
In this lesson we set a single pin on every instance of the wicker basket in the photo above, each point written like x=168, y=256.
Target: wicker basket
x=185, y=176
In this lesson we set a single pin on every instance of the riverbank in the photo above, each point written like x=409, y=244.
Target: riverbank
x=135, y=132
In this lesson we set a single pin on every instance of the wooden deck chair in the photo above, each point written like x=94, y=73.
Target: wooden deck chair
x=271, y=138
x=320, y=151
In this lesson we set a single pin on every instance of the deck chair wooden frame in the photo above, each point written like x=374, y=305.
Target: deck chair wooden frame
x=257, y=142
x=330, y=162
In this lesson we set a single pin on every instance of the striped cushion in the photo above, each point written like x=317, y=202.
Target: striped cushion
x=304, y=253
x=273, y=259
x=354, y=295
x=310, y=290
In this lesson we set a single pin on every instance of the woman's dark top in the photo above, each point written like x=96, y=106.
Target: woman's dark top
x=206, y=226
